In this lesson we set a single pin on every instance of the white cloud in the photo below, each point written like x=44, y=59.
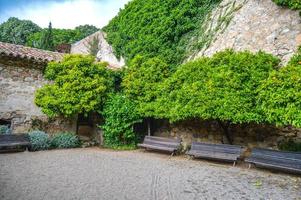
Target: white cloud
x=70, y=13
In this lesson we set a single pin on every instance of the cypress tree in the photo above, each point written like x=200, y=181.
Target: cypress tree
x=47, y=39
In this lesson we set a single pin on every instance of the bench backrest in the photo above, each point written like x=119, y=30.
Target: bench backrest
x=281, y=156
x=13, y=137
x=221, y=148
x=160, y=141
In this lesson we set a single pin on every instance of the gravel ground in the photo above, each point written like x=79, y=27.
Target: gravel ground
x=107, y=175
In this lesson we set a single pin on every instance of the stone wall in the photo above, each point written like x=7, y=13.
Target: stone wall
x=254, y=25
x=104, y=51
x=247, y=135
x=17, y=87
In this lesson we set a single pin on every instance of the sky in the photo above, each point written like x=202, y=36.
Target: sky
x=62, y=13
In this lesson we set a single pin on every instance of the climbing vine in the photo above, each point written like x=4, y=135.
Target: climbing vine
x=157, y=28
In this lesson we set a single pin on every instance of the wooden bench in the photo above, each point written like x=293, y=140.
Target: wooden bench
x=277, y=160
x=162, y=144
x=220, y=152
x=13, y=142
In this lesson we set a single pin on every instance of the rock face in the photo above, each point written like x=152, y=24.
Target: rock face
x=258, y=25
x=96, y=44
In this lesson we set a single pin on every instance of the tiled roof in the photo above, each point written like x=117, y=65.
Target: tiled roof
x=29, y=53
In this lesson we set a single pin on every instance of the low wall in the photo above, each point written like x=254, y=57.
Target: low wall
x=248, y=135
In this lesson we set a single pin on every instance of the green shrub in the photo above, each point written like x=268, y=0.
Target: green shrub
x=293, y=4
x=39, y=140
x=65, y=140
x=120, y=115
x=4, y=129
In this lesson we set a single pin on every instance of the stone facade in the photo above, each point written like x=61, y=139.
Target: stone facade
x=258, y=25
x=104, y=51
x=17, y=87
x=247, y=135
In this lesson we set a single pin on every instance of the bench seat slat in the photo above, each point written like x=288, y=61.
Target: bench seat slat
x=283, y=154
x=223, y=152
x=157, y=147
x=274, y=162
x=214, y=155
x=279, y=160
x=163, y=144
x=9, y=141
x=276, y=166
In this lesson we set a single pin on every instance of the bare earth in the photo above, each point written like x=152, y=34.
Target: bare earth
x=107, y=175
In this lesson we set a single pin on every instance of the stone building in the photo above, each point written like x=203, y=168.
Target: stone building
x=97, y=45
x=21, y=73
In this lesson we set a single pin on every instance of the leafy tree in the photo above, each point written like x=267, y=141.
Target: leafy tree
x=120, y=115
x=280, y=94
x=17, y=31
x=79, y=85
x=61, y=36
x=141, y=82
x=157, y=28
x=47, y=39
x=222, y=88
x=83, y=31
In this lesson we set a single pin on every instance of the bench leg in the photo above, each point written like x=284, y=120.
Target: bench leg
x=234, y=163
x=249, y=166
x=172, y=154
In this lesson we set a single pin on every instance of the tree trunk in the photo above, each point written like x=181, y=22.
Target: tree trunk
x=225, y=126
x=148, y=127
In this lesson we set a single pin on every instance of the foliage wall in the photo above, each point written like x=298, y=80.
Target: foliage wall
x=223, y=87
x=156, y=28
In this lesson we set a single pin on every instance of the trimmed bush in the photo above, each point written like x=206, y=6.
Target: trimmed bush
x=65, y=140
x=39, y=140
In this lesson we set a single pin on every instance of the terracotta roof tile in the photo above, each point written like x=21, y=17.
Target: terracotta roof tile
x=38, y=55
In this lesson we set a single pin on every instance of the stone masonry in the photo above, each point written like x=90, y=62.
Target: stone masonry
x=259, y=25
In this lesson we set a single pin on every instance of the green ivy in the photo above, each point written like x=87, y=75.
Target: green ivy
x=157, y=28
x=120, y=115
x=79, y=85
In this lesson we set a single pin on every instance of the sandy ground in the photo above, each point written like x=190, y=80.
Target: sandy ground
x=107, y=175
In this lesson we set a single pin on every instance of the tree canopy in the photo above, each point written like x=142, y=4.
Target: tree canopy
x=141, y=82
x=17, y=31
x=280, y=94
x=25, y=32
x=79, y=85
x=222, y=87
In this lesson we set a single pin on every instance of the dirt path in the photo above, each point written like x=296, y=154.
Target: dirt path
x=108, y=175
